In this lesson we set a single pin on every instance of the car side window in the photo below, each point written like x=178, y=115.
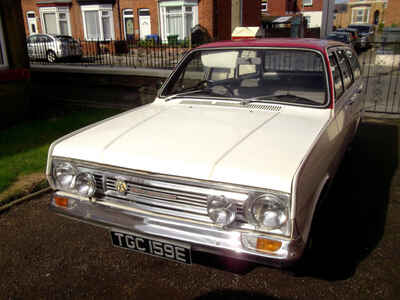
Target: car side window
x=337, y=77
x=355, y=65
x=46, y=39
x=39, y=39
x=345, y=69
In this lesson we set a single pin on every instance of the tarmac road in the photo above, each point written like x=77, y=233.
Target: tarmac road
x=43, y=255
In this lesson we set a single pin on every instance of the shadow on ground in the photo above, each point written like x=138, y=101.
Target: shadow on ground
x=353, y=217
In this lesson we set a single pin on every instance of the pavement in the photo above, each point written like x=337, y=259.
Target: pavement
x=46, y=256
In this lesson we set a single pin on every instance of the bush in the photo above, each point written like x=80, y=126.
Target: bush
x=380, y=27
x=146, y=43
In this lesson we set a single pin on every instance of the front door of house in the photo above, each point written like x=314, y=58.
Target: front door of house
x=32, y=23
x=144, y=23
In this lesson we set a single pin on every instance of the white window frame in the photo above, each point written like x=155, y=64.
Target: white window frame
x=29, y=19
x=57, y=11
x=366, y=10
x=265, y=4
x=4, y=64
x=99, y=8
x=183, y=4
x=310, y=2
x=126, y=16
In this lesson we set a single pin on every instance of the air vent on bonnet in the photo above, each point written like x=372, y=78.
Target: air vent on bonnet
x=264, y=107
x=250, y=106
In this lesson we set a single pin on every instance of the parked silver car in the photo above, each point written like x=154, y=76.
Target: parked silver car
x=52, y=47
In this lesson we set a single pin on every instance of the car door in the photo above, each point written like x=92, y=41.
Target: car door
x=349, y=97
x=342, y=84
x=359, y=88
x=340, y=114
x=49, y=44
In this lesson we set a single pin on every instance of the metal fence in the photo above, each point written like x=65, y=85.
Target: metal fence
x=381, y=70
x=129, y=53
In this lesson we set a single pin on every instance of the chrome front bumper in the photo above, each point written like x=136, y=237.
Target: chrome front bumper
x=200, y=237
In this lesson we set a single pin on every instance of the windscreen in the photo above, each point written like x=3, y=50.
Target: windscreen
x=278, y=75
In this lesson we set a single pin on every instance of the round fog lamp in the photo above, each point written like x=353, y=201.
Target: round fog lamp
x=85, y=184
x=64, y=174
x=221, y=210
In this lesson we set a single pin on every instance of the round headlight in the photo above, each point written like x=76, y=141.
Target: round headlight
x=267, y=211
x=64, y=174
x=85, y=184
x=221, y=211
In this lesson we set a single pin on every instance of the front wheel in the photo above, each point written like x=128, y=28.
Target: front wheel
x=51, y=56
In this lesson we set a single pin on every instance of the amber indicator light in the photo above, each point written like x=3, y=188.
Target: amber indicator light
x=61, y=201
x=268, y=245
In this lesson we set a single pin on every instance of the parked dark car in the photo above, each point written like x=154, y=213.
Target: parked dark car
x=52, y=47
x=366, y=33
x=344, y=37
x=356, y=41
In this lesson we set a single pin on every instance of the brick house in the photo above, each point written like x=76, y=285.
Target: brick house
x=364, y=12
x=134, y=19
x=392, y=15
x=310, y=9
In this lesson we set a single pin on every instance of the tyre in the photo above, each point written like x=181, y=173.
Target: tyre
x=51, y=56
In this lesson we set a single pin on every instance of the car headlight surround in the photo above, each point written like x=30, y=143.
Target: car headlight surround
x=65, y=175
x=221, y=210
x=267, y=211
x=85, y=184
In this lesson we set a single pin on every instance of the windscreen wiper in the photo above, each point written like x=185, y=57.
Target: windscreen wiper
x=280, y=97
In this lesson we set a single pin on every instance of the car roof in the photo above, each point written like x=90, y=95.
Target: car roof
x=361, y=25
x=347, y=29
x=315, y=44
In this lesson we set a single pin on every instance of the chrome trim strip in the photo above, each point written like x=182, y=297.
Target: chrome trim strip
x=211, y=185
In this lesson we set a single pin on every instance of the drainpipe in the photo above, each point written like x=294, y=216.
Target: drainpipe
x=119, y=21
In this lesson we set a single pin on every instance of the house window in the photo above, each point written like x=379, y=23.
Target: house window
x=3, y=55
x=32, y=23
x=360, y=15
x=307, y=2
x=128, y=24
x=178, y=18
x=264, y=6
x=98, y=22
x=55, y=20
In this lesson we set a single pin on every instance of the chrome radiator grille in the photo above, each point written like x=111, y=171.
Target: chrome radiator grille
x=180, y=200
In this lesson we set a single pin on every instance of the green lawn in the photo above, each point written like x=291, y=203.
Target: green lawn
x=23, y=148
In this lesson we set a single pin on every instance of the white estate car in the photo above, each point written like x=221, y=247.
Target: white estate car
x=231, y=158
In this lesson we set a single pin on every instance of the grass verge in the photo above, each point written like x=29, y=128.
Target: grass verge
x=24, y=147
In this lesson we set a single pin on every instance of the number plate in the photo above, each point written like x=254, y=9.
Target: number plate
x=158, y=248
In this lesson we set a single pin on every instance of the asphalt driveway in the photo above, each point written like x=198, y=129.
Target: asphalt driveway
x=43, y=255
